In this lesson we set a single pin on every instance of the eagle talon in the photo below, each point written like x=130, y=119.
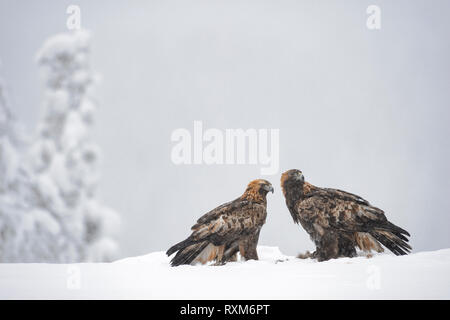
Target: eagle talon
x=307, y=255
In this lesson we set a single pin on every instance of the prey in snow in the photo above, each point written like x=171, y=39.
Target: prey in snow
x=230, y=228
x=338, y=221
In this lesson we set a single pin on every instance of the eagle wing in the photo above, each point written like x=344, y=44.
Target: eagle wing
x=217, y=212
x=349, y=213
x=344, y=195
x=220, y=229
x=230, y=221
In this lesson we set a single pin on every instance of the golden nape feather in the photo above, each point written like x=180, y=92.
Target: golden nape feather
x=230, y=228
x=338, y=222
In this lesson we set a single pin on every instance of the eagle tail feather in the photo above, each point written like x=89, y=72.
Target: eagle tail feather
x=391, y=241
x=179, y=246
x=188, y=254
x=401, y=236
x=396, y=229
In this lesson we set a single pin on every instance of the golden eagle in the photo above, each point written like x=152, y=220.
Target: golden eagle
x=221, y=233
x=338, y=221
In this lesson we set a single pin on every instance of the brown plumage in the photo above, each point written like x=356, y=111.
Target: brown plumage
x=221, y=233
x=338, y=221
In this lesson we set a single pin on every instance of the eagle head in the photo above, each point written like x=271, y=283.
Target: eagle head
x=293, y=177
x=257, y=190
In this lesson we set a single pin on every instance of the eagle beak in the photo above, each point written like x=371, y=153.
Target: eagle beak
x=268, y=187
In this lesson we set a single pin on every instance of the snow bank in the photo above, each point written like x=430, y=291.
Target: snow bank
x=422, y=275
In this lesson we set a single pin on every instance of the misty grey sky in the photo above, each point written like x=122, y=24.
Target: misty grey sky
x=361, y=110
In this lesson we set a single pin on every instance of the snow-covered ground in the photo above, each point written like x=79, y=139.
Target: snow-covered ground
x=424, y=275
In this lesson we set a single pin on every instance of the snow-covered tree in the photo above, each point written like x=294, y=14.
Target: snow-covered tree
x=9, y=163
x=53, y=200
x=8, y=153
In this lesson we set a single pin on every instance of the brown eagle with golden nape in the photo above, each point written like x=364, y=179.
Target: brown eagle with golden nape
x=338, y=222
x=230, y=228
